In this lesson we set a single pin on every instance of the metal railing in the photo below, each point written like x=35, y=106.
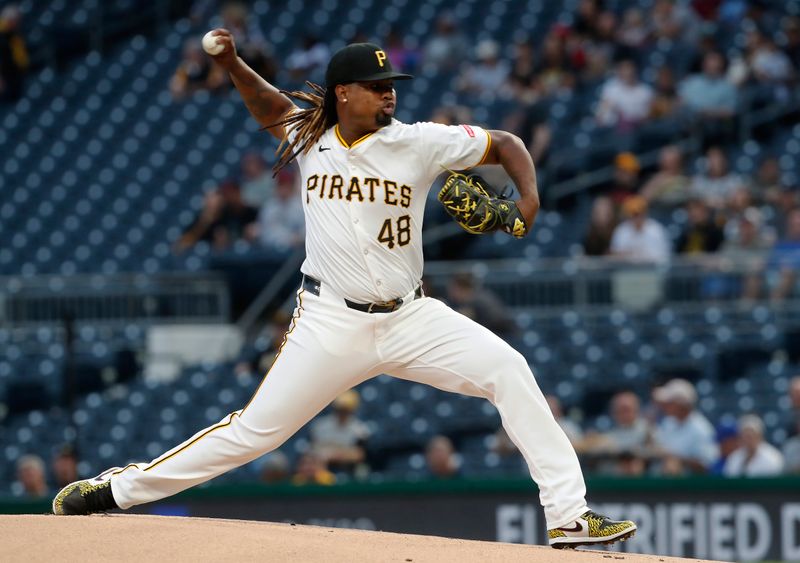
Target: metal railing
x=586, y=283
x=176, y=297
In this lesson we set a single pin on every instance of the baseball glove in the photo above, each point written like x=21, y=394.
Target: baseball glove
x=474, y=205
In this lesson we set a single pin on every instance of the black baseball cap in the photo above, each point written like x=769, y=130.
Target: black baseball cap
x=359, y=62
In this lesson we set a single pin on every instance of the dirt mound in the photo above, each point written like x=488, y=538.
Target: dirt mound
x=122, y=537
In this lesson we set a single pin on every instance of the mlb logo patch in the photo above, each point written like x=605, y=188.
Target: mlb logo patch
x=469, y=130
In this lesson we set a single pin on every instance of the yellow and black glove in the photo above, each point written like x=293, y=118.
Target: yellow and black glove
x=474, y=205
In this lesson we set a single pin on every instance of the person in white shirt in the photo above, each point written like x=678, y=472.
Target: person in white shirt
x=755, y=457
x=684, y=437
x=717, y=183
x=640, y=239
x=624, y=100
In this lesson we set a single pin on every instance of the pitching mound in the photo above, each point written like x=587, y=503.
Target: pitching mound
x=120, y=537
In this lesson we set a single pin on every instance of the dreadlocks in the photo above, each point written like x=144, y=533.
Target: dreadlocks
x=308, y=123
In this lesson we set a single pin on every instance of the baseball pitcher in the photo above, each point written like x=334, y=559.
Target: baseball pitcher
x=360, y=309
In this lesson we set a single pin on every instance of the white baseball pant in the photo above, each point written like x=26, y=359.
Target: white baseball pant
x=330, y=348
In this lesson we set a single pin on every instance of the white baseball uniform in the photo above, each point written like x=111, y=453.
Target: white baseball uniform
x=364, y=204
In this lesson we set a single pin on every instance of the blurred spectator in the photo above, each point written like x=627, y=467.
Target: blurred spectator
x=794, y=414
x=65, y=467
x=791, y=29
x=640, y=238
x=674, y=21
x=684, y=437
x=554, y=70
x=446, y=48
x=479, y=304
x=522, y=76
x=281, y=223
x=633, y=32
x=535, y=130
x=31, y=476
x=451, y=115
x=603, y=221
x=784, y=261
x=620, y=450
x=624, y=100
x=755, y=457
x=787, y=200
x=311, y=54
x=195, y=72
x=625, y=181
x=442, y=460
x=311, y=470
x=595, y=56
x=745, y=249
x=767, y=186
x=709, y=95
x=701, y=233
x=14, y=58
x=487, y=76
x=222, y=221
x=717, y=184
x=403, y=56
x=791, y=453
x=746, y=240
x=339, y=438
x=737, y=202
x=257, y=182
x=631, y=431
x=570, y=428
x=586, y=16
x=669, y=186
x=666, y=101
x=727, y=442
x=251, y=45
x=274, y=468
x=769, y=65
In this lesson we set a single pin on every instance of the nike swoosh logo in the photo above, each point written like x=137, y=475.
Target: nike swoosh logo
x=324, y=149
x=576, y=528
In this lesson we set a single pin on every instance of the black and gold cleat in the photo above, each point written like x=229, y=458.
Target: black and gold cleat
x=590, y=529
x=84, y=497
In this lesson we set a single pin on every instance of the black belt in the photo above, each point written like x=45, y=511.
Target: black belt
x=313, y=286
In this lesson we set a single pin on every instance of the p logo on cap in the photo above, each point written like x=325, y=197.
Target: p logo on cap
x=360, y=62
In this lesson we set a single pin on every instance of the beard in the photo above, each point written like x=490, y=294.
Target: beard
x=383, y=119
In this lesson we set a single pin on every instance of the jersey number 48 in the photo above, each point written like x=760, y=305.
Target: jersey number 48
x=400, y=236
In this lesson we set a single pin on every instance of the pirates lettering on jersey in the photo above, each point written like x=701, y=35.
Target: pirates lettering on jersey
x=335, y=184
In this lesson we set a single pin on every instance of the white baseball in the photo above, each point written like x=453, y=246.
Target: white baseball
x=210, y=44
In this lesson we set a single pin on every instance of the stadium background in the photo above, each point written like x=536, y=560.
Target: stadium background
x=120, y=336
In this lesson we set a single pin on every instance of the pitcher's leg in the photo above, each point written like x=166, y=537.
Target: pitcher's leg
x=306, y=376
x=451, y=352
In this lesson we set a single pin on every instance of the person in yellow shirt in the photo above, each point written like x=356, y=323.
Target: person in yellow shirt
x=311, y=470
x=14, y=59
